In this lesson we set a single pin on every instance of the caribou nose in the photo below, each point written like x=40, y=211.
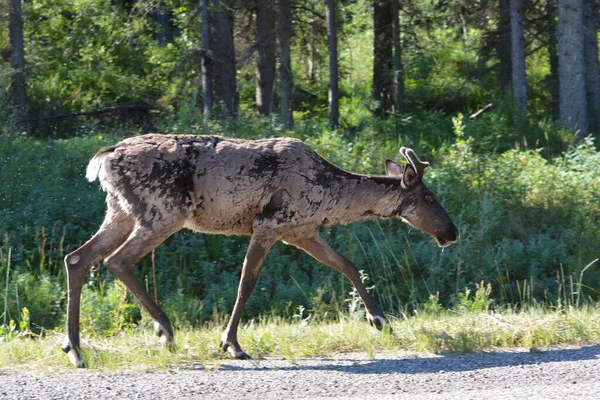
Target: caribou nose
x=454, y=234
x=447, y=237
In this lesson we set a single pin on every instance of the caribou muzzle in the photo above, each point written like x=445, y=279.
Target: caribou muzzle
x=447, y=237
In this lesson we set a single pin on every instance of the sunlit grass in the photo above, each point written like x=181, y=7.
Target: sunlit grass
x=441, y=332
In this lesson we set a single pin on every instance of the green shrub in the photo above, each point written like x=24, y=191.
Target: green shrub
x=107, y=309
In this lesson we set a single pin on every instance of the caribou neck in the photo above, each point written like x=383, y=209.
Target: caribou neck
x=363, y=197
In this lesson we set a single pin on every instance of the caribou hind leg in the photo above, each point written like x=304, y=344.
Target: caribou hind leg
x=121, y=241
x=140, y=242
x=112, y=233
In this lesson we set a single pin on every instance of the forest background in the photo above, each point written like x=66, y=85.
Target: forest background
x=503, y=97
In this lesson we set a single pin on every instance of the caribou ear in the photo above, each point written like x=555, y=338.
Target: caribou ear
x=410, y=177
x=414, y=161
x=392, y=168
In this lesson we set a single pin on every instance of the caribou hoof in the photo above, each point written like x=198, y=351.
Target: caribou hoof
x=73, y=354
x=234, y=349
x=380, y=322
x=165, y=336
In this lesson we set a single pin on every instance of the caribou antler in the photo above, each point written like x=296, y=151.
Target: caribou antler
x=413, y=160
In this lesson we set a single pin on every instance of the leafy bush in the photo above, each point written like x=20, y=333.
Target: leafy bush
x=107, y=309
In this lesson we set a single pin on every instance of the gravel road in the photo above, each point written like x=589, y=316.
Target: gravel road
x=556, y=373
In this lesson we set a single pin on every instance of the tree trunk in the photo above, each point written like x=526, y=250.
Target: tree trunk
x=265, y=48
x=504, y=48
x=383, y=82
x=573, y=103
x=18, y=88
x=164, y=35
x=398, y=68
x=519, y=78
x=553, y=56
x=592, y=69
x=313, y=55
x=207, y=74
x=334, y=108
x=285, y=64
x=224, y=73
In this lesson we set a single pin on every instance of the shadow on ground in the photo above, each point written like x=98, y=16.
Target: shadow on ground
x=454, y=362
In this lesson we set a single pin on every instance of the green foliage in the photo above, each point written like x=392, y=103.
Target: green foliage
x=99, y=57
x=526, y=215
x=480, y=301
x=10, y=330
x=182, y=309
x=41, y=188
x=5, y=100
x=458, y=83
x=89, y=54
x=107, y=309
x=432, y=305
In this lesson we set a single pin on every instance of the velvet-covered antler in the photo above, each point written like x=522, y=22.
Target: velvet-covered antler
x=413, y=160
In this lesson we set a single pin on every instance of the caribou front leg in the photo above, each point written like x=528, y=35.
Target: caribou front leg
x=321, y=251
x=259, y=246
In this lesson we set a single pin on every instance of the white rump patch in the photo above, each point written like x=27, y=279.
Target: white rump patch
x=93, y=168
x=97, y=168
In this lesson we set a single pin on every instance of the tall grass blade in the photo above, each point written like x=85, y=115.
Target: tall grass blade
x=5, y=313
x=579, y=283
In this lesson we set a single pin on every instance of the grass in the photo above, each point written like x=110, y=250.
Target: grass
x=431, y=332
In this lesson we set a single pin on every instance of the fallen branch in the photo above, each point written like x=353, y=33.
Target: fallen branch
x=484, y=109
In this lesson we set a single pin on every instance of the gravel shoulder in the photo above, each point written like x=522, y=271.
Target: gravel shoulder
x=555, y=373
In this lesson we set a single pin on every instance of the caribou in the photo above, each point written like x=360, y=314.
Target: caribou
x=271, y=189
